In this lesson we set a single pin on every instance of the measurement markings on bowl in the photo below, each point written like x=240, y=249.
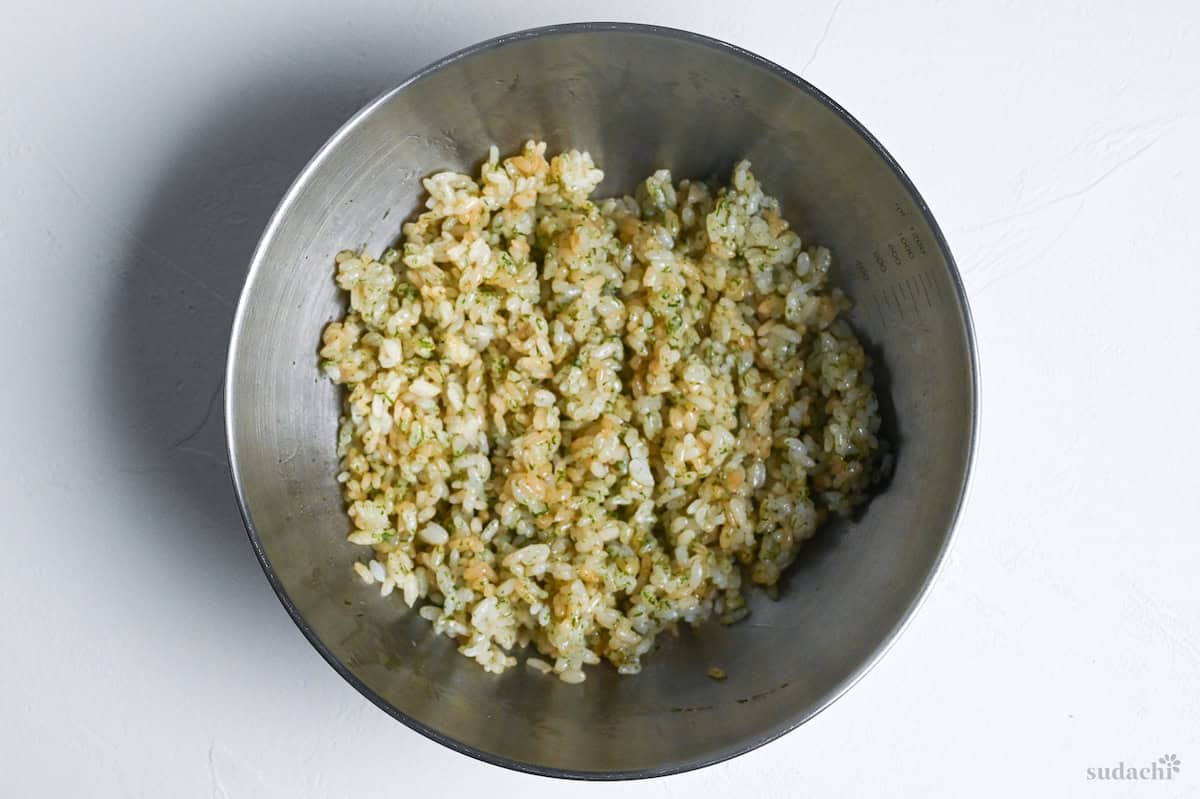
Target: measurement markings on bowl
x=903, y=285
x=907, y=299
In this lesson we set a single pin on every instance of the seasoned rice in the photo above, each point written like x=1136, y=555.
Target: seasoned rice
x=575, y=423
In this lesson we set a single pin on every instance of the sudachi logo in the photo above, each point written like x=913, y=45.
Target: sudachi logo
x=1165, y=768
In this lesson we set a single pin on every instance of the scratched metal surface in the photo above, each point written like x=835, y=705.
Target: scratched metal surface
x=638, y=99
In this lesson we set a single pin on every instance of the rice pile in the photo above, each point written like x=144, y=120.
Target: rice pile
x=577, y=423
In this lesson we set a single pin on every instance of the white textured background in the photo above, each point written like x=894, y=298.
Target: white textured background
x=143, y=145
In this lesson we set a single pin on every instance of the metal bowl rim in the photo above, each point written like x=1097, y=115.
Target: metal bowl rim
x=706, y=759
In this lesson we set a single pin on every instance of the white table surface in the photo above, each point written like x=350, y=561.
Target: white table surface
x=142, y=147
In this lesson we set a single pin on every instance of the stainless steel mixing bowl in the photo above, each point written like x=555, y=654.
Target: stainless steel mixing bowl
x=638, y=98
